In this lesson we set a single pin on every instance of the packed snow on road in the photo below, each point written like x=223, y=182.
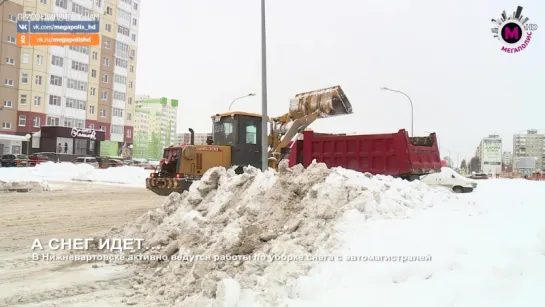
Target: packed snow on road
x=315, y=237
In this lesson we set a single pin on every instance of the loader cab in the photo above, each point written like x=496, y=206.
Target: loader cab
x=242, y=132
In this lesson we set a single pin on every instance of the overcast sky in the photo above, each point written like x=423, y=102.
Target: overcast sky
x=441, y=53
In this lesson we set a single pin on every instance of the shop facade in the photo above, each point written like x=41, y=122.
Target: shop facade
x=68, y=143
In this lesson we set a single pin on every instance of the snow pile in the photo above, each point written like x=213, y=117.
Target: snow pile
x=127, y=175
x=258, y=217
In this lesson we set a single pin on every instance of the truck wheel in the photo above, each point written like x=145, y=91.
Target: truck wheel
x=458, y=189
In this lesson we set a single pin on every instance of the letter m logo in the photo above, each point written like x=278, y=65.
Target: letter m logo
x=511, y=33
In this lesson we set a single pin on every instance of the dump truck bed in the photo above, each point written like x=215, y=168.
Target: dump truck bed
x=394, y=154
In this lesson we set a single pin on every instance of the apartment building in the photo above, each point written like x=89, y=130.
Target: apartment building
x=155, y=126
x=530, y=144
x=82, y=87
x=507, y=158
x=185, y=138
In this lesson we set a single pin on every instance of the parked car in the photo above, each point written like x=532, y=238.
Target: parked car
x=115, y=163
x=36, y=159
x=139, y=163
x=450, y=179
x=86, y=160
x=14, y=160
x=52, y=156
x=478, y=176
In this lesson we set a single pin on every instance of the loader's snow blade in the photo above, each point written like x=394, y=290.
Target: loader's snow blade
x=330, y=101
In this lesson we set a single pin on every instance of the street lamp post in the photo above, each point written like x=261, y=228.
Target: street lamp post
x=265, y=119
x=249, y=95
x=410, y=101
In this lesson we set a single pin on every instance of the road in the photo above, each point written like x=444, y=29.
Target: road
x=71, y=210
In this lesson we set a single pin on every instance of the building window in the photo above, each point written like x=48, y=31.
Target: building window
x=80, y=66
x=92, y=126
x=130, y=84
x=38, y=80
x=124, y=15
x=117, y=112
x=24, y=78
x=6, y=126
x=75, y=104
x=119, y=96
x=8, y=104
x=22, y=121
x=129, y=116
x=98, y=3
x=54, y=100
x=134, y=22
x=115, y=129
x=39, y=59
x=102, y=128
x=25, y=58
x=105, y=78
x=135, y=6
x=55, y=80
x=93, y=73
x=57, y=61
x=23, y=99
x=120, y=79
x=10, y=61
x=8, y=82
x=43, y=1
x=132, y=68
x=120, y=63
x=62, y=3
x=95, y=55
x=107, y=44
x=102, y=112
x=106, y=61
x=104, y=95
x=76, y=85
x=37, y=100
x=36, y=122
x=129, y=100
x=109, y=11
x=91, y=109
x=123, y=31
x=80, y=49
x=11, y=39
x=93, y=91
x=12, y=18
x=53, y=121
x=108, y=27
x=133, y=37
x=129, y=133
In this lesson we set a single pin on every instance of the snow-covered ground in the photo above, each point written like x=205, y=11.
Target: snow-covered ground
x=127, y=175
x=485, y=248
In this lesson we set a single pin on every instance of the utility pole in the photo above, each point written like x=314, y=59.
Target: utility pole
x=265, y=118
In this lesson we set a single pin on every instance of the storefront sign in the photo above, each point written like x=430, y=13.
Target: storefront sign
x=84, y=133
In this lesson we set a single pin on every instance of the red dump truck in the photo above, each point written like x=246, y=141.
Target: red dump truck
x=394, y=154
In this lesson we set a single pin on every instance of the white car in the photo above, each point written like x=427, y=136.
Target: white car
x=451, y=180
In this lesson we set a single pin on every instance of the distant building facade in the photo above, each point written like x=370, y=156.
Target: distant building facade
x=185, y=138
x=530, y=144
x=155, y=126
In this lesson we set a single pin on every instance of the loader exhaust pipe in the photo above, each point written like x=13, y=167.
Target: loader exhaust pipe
x=192, y=137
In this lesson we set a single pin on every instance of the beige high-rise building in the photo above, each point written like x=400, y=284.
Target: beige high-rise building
x=530, y=144
x=84, y=87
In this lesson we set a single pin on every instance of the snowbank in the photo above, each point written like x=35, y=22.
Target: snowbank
x=266, y=216
x=127, y=175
